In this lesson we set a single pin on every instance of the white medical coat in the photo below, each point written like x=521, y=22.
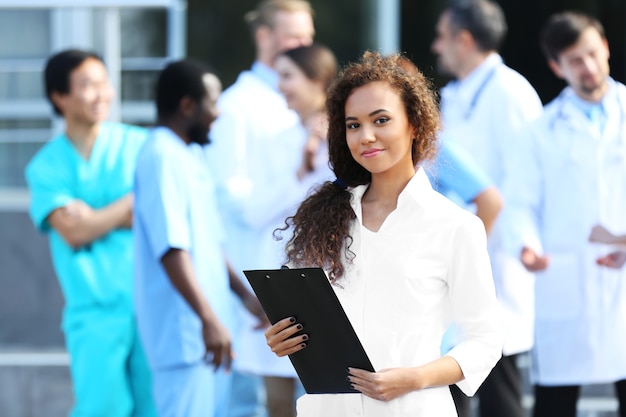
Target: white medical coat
x=425, y=267
x=483, y=114
x=256, y=147
x=569, y=178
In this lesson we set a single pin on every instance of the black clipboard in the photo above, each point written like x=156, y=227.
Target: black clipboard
x=333, y=345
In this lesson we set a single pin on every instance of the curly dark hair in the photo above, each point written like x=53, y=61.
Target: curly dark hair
x=321, y=225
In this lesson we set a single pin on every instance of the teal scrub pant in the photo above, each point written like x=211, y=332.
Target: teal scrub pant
x=110, y=373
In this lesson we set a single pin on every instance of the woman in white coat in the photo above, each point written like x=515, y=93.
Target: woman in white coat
x=403, y=260
x=572, y=176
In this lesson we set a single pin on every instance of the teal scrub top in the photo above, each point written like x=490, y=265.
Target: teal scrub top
x=99, y=273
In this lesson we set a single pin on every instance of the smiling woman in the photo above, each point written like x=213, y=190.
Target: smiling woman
x=379, y=138
x=402, y=259
x=305, y=73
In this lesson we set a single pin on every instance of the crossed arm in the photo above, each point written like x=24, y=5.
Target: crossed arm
x=79, y=224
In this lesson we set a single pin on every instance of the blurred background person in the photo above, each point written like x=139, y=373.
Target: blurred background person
x=182, y=281
x=305, y=74
x=571, y=176
x=80, y=185
x=457, y=176
x=246, y=141
x=483, y=109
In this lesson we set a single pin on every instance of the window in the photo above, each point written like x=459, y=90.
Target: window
x=24, y=121
x=31, y=30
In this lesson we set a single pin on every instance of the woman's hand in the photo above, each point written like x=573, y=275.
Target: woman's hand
x=281, y=337
x=385, y=385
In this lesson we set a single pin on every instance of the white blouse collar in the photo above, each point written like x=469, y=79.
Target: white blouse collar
x=417, y=191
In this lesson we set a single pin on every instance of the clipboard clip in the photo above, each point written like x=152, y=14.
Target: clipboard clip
x=303, y=275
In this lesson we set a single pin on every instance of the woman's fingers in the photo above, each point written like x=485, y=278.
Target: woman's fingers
x=282, y=339
x=285, y=349
x=279, y=326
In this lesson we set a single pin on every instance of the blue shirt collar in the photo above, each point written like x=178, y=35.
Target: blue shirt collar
x=266, y=74
x=606, y=101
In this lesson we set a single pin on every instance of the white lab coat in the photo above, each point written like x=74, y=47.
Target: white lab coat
x=483, y=114
x=255, y=170
x=569, y=178
x=426, y=266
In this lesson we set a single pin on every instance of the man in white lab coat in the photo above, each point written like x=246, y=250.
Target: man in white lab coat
x=483, y=111
x=571, y=176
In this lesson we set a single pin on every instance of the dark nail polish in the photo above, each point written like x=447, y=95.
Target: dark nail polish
x=292, y=319
x=303, y=345
x=305, y=337
x=299, y=327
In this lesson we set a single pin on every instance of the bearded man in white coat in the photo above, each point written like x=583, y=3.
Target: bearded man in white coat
x=483, y=109
x=572, y=176
x=245, y=142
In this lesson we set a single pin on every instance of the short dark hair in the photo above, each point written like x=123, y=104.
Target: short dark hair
x=59, y=69
x=177, y=80
x=562, y=30
x=483, y=19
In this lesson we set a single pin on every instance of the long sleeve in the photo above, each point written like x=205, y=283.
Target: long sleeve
x=474, y=307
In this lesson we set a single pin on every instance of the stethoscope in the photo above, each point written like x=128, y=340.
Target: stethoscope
x=479, y=91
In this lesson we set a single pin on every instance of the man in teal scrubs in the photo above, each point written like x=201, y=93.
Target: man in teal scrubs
x=81, y=196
